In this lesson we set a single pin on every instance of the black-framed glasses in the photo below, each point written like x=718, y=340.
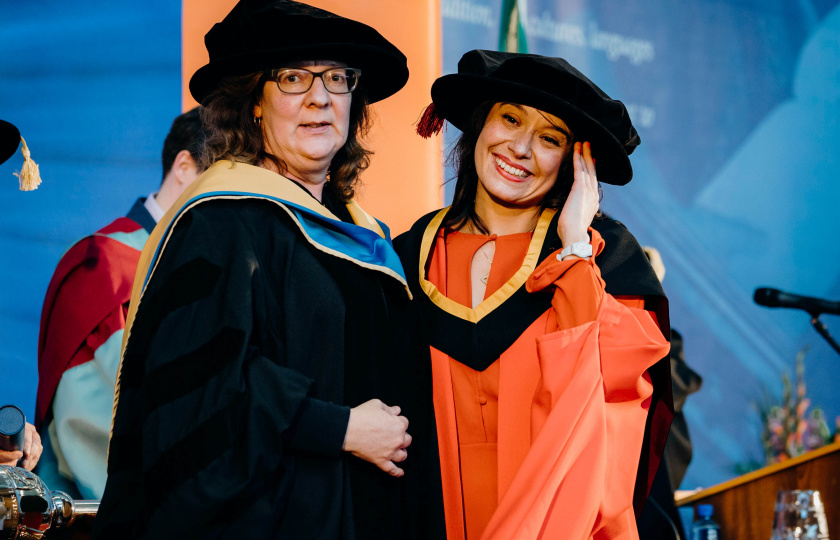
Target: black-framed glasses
x=298, y=80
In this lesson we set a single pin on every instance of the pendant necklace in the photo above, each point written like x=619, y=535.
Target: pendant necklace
x=486, y=276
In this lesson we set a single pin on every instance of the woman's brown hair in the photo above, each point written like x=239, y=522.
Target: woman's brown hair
x=462, y=159
x=234, y=134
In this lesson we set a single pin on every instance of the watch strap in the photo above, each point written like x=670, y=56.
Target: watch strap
x=580, y=249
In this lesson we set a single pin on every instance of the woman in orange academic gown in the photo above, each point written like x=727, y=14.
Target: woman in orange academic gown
x=544, y=320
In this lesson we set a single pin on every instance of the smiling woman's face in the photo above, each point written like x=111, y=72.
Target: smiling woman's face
x=518, y=155
x=305, y=130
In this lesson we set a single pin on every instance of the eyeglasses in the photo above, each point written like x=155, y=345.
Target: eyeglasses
x=299, y=81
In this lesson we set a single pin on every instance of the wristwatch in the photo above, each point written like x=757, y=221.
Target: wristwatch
x=579, y=249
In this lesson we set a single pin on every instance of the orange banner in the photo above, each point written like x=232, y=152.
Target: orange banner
x=406, y=172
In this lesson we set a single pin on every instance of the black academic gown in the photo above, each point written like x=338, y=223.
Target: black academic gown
x=247, y=351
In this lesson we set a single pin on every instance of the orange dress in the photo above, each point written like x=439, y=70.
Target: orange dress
x=484, y=478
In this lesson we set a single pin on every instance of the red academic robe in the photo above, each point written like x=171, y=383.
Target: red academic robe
x=86, y=302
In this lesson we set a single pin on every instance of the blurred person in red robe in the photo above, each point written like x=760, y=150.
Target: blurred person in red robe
x=28, y=455
x=83, y=320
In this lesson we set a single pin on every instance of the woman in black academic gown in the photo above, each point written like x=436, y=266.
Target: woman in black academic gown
x=258, y=395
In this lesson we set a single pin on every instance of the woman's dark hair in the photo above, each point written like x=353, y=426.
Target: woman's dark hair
x=233, y=134
x=462, y=158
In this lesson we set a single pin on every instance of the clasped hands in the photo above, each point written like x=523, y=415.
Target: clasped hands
x=378, y=434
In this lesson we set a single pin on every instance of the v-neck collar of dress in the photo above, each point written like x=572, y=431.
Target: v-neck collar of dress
x=505, y=291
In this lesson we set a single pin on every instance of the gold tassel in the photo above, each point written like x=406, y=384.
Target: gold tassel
x=29, y=176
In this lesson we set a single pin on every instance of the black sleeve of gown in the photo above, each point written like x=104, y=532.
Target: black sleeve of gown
x=209, y=417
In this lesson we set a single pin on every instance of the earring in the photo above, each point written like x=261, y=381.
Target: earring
x=258, y=121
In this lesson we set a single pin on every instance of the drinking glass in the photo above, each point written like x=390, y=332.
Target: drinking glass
x=800, y=515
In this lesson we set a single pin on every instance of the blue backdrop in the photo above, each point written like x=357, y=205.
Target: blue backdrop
x=93, y=87
x=737, y=103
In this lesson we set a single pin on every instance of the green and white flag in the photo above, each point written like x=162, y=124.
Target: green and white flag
x=512, y=32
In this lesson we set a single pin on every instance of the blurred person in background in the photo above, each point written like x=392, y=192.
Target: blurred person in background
x=660, y=518
x=28, y=456
x=83, y=320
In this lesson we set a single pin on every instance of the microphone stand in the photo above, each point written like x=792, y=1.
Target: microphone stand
x=823, y=331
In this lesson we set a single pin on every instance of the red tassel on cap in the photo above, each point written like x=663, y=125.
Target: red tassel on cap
x=430, y=123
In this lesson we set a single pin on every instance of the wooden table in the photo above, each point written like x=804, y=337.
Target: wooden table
x=744, y=505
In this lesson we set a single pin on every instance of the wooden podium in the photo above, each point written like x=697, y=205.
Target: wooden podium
x=744, y=505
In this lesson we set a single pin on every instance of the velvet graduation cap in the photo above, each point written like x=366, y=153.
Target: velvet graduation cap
x=549, y=84
x=10, y=139
x=259, y=35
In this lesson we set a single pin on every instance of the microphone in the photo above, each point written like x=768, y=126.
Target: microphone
x=773, y=298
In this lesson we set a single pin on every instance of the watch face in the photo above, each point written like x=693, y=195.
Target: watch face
x=582, y=249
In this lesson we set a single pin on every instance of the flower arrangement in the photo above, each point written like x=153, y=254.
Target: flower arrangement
x=789, y=429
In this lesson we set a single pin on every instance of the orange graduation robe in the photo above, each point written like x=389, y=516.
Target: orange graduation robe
x=545, y=441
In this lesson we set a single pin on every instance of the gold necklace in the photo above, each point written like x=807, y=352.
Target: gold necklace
x=486, y=276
